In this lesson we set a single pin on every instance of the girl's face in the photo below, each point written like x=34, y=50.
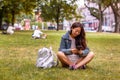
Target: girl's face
x=76, y=32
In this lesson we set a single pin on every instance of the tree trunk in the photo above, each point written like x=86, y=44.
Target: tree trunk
x=1, y=19
x=1, y=16
x=100, y=23
x=115, y=9
x=57, y=26
x=57, y=17
x=13, y=17
x=117, y=24
x=100, y=19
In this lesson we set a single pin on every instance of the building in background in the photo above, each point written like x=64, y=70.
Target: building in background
x=66, y=25
x=91, y=23
x=27, y=24
x=109, y=21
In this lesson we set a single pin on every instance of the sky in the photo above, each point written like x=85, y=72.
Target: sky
x=80, y=2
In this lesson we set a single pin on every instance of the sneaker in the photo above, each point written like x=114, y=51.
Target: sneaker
x=72, y=67
x=83, y=67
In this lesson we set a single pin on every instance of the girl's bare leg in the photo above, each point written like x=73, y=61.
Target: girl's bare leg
x=85, y=60
x=64, y=59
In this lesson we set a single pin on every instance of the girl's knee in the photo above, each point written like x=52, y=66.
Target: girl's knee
x=60, y=54
x=91, y=54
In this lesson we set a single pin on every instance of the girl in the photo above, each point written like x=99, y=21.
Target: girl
x=73, y=51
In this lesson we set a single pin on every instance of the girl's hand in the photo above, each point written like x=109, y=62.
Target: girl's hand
x=74, y=50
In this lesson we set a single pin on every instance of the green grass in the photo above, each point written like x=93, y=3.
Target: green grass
x=18, y=53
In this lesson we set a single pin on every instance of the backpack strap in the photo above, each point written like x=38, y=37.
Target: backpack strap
x=56, y=61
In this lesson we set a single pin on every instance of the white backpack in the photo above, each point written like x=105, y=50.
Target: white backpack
x=46, y=58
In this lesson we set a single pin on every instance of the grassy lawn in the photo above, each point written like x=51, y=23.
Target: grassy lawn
x=18, y=53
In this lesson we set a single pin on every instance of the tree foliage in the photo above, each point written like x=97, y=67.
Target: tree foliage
x=10, y=8
x=56, y=10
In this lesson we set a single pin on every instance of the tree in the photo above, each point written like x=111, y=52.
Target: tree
x=2, y=11
x=14, y=9
x=24, y=6
x=98, y=11
x=115, y=5
x=56, y=10
x=10, y=8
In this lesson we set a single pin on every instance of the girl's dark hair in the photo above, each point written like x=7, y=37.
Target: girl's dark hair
x=80, y=40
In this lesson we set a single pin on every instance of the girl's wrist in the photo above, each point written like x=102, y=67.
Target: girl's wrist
x=80, y=52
